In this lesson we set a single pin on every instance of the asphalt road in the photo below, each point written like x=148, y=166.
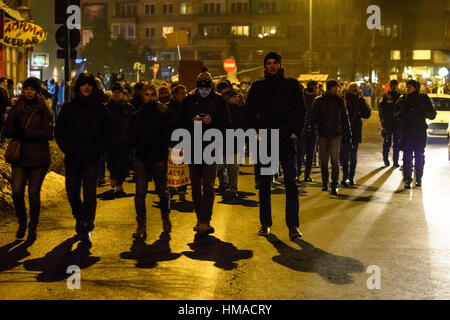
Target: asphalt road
x=375, y=225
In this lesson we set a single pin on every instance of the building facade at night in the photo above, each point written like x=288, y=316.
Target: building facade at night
x=13, y=60
x=342, y=45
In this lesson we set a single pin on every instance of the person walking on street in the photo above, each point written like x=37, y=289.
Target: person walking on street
x=150, y=127
x=118, y=156
x=275, y=102
x=367, y=92
x=310, y=142
x=29, y=121
x=83, y=133
x=330, y=115
x=5, y=102
x=357, y=109
x=206, y=107
x=390, y=124
x=236, y=111
x=413, y=110
x=179, y=93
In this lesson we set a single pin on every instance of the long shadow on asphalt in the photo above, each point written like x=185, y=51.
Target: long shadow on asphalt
x=109, y=195
x=148, y=256
x=12, y=253
x=209, y=248
x=241, y=201
x=53, y=266
x=332, y=268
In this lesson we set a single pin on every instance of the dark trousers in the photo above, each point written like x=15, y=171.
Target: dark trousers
x=329, y=150
x=34, y=177
x=202, y=182
x=349, y=160
x=143, y=172
x=101, y=172
x=305, y=155
x=118, y=162
x=413, y=148
x=391, y=139
x=288, y=163
x=86, y=176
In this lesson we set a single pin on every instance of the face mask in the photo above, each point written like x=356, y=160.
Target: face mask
x=204, y=92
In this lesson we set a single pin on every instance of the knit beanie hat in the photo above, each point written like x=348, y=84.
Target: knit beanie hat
x=204, y=80
x=272, y=55
x=32, y=82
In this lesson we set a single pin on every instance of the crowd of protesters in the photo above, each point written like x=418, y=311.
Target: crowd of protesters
x=129, y=128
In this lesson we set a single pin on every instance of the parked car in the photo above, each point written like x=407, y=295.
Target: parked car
x=439, y=127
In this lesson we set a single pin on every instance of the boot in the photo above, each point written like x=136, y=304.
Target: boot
x=32, y=233
x=167, y=225
x=141, y=232
x=205, y=228
x=22, y=229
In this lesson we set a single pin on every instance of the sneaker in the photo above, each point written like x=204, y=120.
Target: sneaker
x=325, y=188
x=344, y=183
x=407, y=185
x=264, y=231
x=308, y=179
x=387, y=163
x=351, y=182
x=294, y=233
x=396, y=165
x=334, y=191
x=419, y=184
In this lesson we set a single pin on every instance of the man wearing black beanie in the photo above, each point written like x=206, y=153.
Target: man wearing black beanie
x=277, y=103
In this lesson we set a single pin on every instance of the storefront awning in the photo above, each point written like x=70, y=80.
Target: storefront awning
x=314, y=77
x=14, y=14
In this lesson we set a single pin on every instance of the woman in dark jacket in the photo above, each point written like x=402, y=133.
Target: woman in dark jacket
x=357, y=110
x=83, y=133
x=30, y=121
x=150, y=139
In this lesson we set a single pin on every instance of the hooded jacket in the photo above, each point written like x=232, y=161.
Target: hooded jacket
x=83, y=129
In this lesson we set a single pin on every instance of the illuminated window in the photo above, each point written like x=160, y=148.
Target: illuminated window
x=267, y=31
x=240, y=30
x=167, y=30
x=186, y=8
x=421, y=54
x=396, y=55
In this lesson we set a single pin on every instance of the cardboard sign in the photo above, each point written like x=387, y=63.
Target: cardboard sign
x=177, y=174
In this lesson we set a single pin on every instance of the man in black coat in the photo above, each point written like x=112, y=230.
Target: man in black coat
x=330, y=115
x=275, y=102
x=357, y=110
x=118, y=155
x=390, y=123
x=207, y=107
x=83, y=133
x=310, y=142
x=413, y=110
